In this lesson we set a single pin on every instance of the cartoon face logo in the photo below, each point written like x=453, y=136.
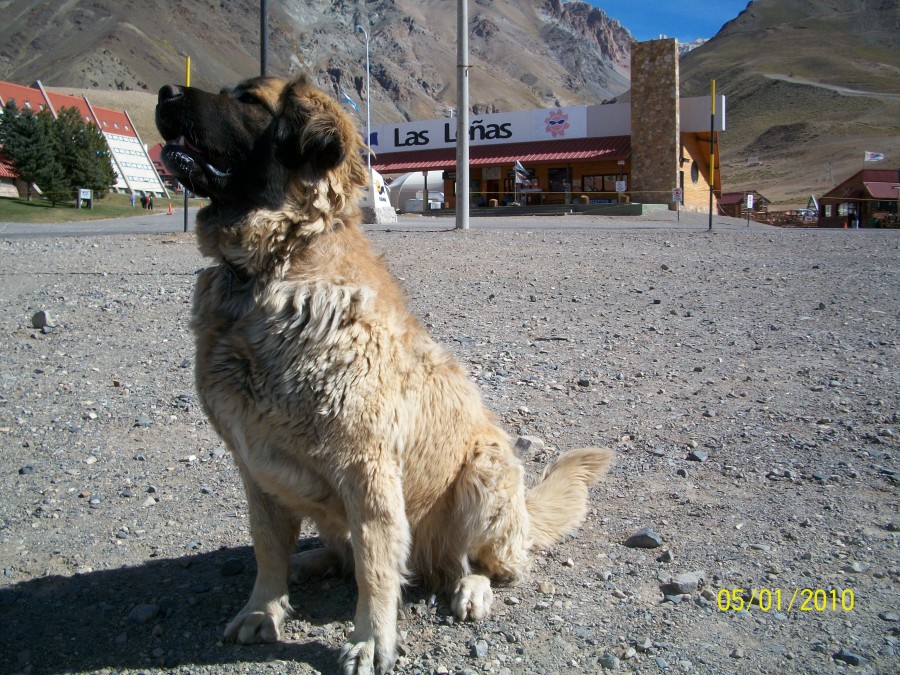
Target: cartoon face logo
x=557, y=122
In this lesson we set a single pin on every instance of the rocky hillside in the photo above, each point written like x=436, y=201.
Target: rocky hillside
x=811, y=85
x=526, y=53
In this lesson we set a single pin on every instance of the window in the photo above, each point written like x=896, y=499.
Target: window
x=606, y=183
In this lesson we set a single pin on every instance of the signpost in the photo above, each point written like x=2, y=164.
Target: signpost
x=85, y=195
x=677, y=196
x=749, y=206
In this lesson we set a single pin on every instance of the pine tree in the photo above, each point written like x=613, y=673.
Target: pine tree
x=101, y=178
x=58, y=155
x=52, y=178
x=26, y=140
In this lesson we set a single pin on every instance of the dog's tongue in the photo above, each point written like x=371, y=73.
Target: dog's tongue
x=191, y=146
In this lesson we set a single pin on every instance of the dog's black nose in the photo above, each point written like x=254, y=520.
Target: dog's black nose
x=169, y=93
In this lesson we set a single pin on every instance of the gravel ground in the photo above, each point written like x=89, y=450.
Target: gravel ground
x=747, y=378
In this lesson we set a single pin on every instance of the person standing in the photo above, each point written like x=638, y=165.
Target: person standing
x=150, y=202
x=132, y=199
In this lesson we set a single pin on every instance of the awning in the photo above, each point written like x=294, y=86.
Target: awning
x=569, y=150
x=7, y=170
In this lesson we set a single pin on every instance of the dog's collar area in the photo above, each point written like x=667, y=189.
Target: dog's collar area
x=235, y=277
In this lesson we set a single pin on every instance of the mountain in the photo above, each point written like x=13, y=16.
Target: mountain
x=526, y=54
x=810, y=85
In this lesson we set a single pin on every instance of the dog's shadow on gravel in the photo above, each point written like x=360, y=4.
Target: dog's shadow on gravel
x=165, y=613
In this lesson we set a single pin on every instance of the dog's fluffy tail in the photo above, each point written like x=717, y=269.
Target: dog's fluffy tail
x=558, y=501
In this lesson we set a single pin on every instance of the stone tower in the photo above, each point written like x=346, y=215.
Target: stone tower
x=655, y=128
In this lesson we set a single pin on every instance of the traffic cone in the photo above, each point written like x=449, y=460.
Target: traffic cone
x=170, y=208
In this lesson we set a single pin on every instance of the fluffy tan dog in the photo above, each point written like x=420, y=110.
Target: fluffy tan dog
x=332, y=398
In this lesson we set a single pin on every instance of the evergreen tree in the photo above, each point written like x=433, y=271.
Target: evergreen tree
x=83, y=153
x=101, y=177
x=26, y=140
x=7, y=118
x=52, y=177
x=58, y=155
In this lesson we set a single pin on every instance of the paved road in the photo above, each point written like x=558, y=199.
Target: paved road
x=161, y=223
x=147, y=223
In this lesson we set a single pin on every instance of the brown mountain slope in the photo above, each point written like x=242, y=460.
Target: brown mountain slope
x=526, y=53
x=811, y=85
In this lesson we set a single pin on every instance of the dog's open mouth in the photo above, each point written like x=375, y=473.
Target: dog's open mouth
x=191, y=155
x=193, y=166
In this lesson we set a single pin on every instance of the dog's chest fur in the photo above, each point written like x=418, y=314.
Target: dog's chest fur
x=301, y=367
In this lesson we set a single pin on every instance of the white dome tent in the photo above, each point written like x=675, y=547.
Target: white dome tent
x=408, y=191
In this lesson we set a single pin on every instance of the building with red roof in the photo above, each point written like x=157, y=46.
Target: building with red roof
x=868, y=198
x=128, y=155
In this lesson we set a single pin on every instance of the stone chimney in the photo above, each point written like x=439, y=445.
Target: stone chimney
x=655, y=127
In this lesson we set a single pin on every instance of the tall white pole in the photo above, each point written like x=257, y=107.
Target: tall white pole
x=462, y=119
x=362, y=30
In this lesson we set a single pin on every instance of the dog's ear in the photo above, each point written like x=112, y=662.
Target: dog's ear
x=309, y=132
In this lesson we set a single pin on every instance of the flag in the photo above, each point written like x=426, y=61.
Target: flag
x=521, y=172
x=349, y=101
x=873, y=156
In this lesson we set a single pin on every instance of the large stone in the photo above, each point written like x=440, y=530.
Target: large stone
x=380, y=215
x=645, y=538
x=43, y=319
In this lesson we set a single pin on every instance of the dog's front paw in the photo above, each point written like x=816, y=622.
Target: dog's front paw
x=257, y=624
x=472, y=598
x=365, y=658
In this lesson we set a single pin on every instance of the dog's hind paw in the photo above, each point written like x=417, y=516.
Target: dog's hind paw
x=362, y=658
x=472, y=598
x=318, y=563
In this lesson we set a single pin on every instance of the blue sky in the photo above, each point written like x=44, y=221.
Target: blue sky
x=682, y=19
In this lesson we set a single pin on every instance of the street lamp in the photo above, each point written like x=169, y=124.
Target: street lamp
x=360, y=29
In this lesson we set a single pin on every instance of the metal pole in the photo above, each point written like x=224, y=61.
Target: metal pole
x=362, y=30
x=462, y=120
x=187, y=83
x=712, y=153
x=263, y=37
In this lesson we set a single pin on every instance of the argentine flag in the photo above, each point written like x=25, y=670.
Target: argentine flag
x=349, y=101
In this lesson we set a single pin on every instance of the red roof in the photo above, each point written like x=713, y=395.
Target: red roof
x=887, y=190
x=114, y=122
x=878, y=184
x=7, y=170
x=25, y=97
x=110, y=121
x=609, y=148
x=61, y=101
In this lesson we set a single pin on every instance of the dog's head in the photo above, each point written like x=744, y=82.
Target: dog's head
x=259, y=144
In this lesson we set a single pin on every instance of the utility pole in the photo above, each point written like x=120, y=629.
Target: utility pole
x=712, y=153
x=462, y=119
x=360, y=29
x=187, y=83
x=263, y=37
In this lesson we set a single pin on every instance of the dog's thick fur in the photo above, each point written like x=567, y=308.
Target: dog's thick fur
x=333, y=400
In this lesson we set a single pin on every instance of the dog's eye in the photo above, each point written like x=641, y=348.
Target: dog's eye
x=247, y=97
